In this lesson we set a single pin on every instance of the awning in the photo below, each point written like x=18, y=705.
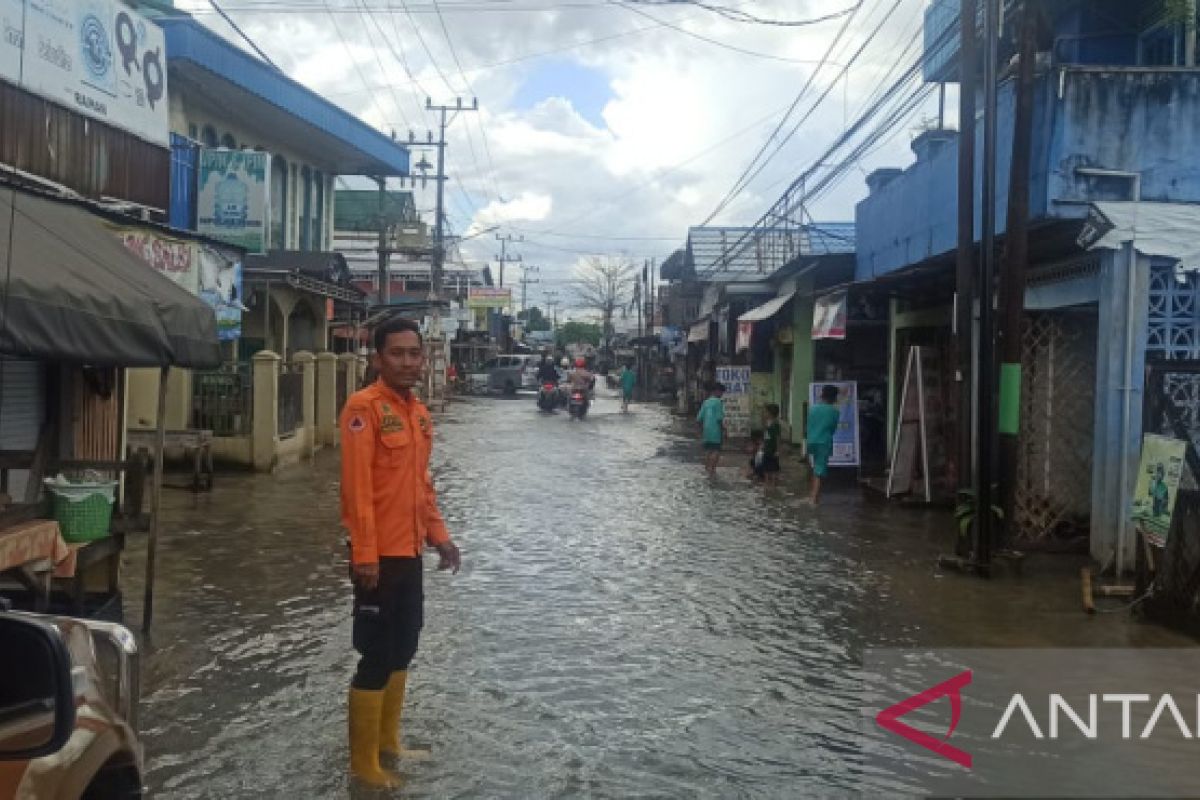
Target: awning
x=698, y=332
x=1167, y=230
x=767, y=309
x=72, y=292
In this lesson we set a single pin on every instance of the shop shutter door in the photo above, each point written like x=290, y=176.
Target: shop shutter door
x=22, y=408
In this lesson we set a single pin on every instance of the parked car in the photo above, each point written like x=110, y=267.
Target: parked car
x=509, y=373
x=68, y=708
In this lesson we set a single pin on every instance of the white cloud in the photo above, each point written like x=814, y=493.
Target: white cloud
x=683, y=120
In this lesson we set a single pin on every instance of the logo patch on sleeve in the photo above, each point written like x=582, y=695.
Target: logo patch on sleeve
x=357, y=424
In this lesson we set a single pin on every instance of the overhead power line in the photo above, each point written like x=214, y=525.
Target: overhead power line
x=738, y=15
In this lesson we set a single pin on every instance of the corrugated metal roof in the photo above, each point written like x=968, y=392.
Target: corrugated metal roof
x=725, y=254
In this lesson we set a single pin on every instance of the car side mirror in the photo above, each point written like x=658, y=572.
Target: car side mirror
x=37, y=695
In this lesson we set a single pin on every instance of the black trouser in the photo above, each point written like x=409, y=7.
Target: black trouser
x=387, y=621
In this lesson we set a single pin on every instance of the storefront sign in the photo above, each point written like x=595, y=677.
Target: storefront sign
x=489, y=297
x=845, y=438
x=829, y=317
x=736, y=399
x=174, y=258
x=97, y=57
x=221, y=288
x=234, y=197
x=1158, y=484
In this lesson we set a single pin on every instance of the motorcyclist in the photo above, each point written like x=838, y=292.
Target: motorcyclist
x=547, y=372
x=581, y=379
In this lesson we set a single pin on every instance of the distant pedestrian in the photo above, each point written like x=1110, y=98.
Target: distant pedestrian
x=769, y=464
x=823, y=419
x=712, y=426
x=628, y=381
x=754, y=466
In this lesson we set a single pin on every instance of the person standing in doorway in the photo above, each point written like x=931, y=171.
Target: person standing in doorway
x=712, y=427
x=628, y=381
x=769, y=469
x=823, y=420
x=390, y=510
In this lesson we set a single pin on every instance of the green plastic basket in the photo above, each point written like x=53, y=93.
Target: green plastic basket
x=83, y=511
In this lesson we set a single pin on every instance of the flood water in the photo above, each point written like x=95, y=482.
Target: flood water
x=622, y=627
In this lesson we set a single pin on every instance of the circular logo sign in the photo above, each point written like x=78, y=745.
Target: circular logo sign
x=93, y=40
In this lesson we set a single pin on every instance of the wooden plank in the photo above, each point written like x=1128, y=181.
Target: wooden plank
x=1089, y=603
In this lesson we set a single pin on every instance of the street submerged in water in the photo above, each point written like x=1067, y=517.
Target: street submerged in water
x=623, y=626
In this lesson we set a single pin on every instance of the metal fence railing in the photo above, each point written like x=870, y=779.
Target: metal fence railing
x=223, y=400
x=291, y=400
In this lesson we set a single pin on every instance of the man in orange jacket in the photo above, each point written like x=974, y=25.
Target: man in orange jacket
x=390, y=509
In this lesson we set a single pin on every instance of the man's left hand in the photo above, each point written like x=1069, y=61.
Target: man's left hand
x=451, y=559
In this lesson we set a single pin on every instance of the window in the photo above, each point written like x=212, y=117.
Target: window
x=306, y=209
x=1161, y=47
x=228, y=141
x=279, y=184
x=209, y=137
x=319, y=215
x=193, y=132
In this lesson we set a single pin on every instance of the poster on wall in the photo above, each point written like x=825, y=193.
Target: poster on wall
x=233, y=201
x=1159, y=474
x=97, y=57
x=221, y=287
x=489, y=297
x=744, y=331
x=845, y=438
x=736, y=400
x=173, y=258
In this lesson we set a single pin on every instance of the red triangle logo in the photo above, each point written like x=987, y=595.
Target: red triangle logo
x=889, y=718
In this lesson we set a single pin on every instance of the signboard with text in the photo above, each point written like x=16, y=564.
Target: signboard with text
x=173, y=258
x=97, y=57
x=736, y=399
x=1159, y=474
x=221, y=287
x=489, y=297
x=234, y=197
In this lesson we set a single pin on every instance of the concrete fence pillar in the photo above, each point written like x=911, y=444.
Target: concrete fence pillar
x=327, y=410
x=348, y=364
x=361, y=371
x=265, y=435
x=306, y=362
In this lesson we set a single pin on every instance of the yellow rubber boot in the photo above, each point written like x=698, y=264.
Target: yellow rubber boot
x=365, y=709
x=390, y=739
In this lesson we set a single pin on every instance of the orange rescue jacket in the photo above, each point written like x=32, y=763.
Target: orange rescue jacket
x=388, y=502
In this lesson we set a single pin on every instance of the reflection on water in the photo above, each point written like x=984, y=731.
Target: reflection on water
x=622, y=627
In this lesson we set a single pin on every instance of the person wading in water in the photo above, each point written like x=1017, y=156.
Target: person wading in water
x=390, y=509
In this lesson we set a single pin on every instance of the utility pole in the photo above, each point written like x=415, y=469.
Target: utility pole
x=985, y=469
x=525, y=281
x=385, y=281
x=504, y=258
x=437, y=369
x=1011, y=299
x=552, y=303
x=964, y=274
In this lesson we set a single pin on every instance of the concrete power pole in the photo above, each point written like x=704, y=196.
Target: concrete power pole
x=437, y=362
x=525, y=281
x=504, y=257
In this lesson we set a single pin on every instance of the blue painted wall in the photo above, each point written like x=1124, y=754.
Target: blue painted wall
x=1142, y=121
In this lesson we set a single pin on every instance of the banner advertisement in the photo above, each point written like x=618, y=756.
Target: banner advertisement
x=744, y=331
x=97, y=57
x=845, y=438
x=829, y=317
x=489, y=297
x=736, y=399
x=174, y=258
x=234, y=197
x=221, y=288
x=1157, y=487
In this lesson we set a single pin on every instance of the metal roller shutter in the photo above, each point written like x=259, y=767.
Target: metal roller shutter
x=22, y=409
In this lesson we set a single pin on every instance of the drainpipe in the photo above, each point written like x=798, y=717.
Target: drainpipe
x=1127, y=404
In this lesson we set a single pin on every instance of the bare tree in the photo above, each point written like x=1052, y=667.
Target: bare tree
x=606, y=284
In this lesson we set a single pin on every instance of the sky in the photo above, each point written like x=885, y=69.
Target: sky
x=604, y=128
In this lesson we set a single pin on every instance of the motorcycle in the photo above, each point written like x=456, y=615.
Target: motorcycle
x=549, y=398
x=577, y=406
